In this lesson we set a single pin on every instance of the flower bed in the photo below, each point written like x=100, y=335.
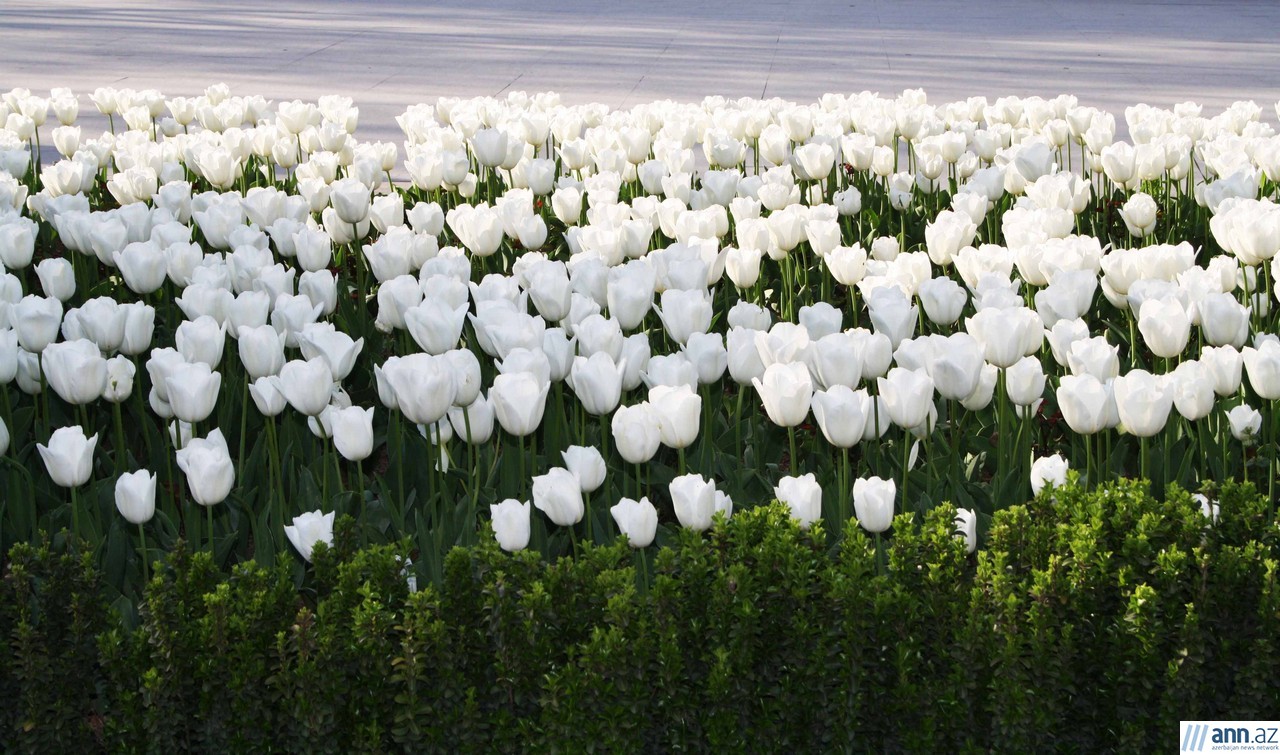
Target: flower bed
x=223, y=315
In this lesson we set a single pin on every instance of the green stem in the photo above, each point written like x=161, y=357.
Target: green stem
x=142, y=545
x=75, y=515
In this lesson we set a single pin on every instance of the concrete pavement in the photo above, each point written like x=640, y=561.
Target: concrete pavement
x=388, y=55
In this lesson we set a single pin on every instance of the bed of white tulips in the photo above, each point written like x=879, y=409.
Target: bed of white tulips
x=223, y=314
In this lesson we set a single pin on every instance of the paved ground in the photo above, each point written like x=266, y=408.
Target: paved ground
x=1108, y=52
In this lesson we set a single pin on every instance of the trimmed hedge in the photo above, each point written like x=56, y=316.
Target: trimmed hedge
x=1089, y=622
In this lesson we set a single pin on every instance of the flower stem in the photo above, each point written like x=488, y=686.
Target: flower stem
x=142, y=544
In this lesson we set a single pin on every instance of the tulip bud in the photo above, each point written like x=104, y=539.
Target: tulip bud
x=69, y=456
x=803, y=496
x=353, y=432
x=208, y=467
x=637, y=432
x=136, y=496
x=873, y=503
x=1048, y=470
x=587, y=465
x=558, y=494
x=511, y=524
x=967, y=527
x=694, y=500
x=308, y=529
x=638, y=520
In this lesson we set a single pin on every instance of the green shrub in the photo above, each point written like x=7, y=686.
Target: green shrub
x=1088, y=622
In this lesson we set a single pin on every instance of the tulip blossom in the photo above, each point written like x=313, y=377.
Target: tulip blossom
x=558, y=494
x=69, y=456
x=803, y=496
x=873, y=503
x=308, y=529
x=637, y=520
x=206, y=462
x=1048, y=470
x=511, y=526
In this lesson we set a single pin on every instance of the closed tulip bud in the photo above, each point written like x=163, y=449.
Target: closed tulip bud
x=679, y=412
x=803, y=495
x=743, y=266
x=873, y=503
x=1193, y=394
x=57, y=278
x=425, y=386
x=907, y=395
x=1262, y=364
x=1139, y=214
x=313, y=248
x=1223, y=320
x=267, y=396
x=261, y=350
x=75, y=370
x=17, y=243
x=308, y=385
x=943, y=300
x=835, y=359
x=1225, y=365
x=1006, y=335
x=4, y=437
x=1165, y=327
x=558, y=494
x=1246, y=423
x=139, y=326
x=685, y=312
x=435, y=325
x=637, y=432
x=786, y=391
x=597, y=382
x=842, y=415
x=892, y=314
x=848, y=265
x=707, y=353
x=206, y=462
x=848, y=202
x=36, y=320
x=1025, y=381
x=519, y=401
x=142, y=265
x=192, y=390
x=694, y=500
x=473, y=423
x=1087, y=403
x=637, y=520
x=1048, y=470
x=351, y=200
x=308, y=529
x=353, y=432
x=69, y=456
x=201, y=340
x=136, y=496
x=629, y=293
x=967, y=528
x=119, y=382
x=1143, y=402
x=586, y=463
x=743, y=357
x=957, y=366
x=511, y=524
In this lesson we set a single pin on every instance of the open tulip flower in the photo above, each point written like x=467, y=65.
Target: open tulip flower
x=763, y=293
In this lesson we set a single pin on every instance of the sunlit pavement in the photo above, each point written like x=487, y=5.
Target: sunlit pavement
x=391, y=54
